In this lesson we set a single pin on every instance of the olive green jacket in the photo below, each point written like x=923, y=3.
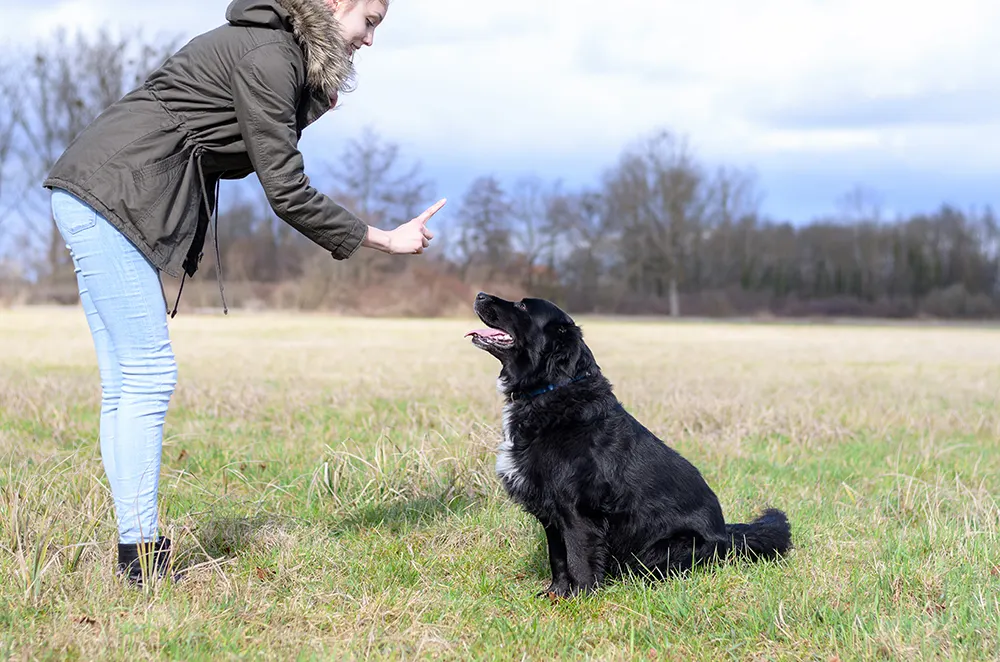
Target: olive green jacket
x=230, y=102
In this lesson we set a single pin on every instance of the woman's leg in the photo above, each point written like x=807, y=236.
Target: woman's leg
x=111, y=377
x=120, y=291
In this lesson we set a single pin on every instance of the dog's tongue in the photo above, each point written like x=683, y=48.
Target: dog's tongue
x=486, y=333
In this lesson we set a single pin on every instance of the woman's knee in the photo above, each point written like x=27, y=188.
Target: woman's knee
x=111, y=383
x=169, y=379
x=166, y=371
x=152, y=374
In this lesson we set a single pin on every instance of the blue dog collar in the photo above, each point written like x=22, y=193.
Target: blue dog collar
x=519, y=395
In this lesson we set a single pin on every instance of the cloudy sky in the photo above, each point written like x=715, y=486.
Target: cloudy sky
x=815, y=95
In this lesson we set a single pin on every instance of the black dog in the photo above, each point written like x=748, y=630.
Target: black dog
x=611, y=496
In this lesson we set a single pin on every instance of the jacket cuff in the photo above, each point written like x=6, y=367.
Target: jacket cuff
x=352, y=242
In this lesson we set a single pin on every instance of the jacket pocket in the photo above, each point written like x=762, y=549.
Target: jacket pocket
x=160, y=198
x=163, y=166
x=82, y=222
x=71, y=215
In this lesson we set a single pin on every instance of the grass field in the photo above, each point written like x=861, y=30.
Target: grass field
x=329, y=483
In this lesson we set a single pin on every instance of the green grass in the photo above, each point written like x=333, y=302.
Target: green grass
x=329, y=485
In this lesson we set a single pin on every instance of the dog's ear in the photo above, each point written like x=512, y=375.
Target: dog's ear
x=563, y=351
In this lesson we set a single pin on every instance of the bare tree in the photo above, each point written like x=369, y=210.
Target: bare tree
x=66, y=84
x=485, y=236
x=371, y=171
x=10, y=109
x=532, y=229
x=589, y=243
x=658, y=195
x=384, y=192
x=860, y=204
x=733, y=198
x=11, y=102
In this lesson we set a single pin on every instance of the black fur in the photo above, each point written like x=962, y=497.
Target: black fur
x=611, y=496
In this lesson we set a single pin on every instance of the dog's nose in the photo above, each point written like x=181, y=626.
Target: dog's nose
x=482, y=296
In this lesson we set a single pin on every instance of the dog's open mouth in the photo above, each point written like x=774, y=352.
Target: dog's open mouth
x=490, y=337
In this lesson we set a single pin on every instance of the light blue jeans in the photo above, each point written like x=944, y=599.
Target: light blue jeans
x=121, y=294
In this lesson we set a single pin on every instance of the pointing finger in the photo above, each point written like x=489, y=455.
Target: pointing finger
x=433, y=209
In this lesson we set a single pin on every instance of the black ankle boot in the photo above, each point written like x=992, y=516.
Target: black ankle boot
x=154, y=561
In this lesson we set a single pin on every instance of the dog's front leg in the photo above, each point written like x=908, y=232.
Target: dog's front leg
x=586, y=554
x=557, y=562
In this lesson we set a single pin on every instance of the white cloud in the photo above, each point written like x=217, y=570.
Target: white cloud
x=744, y=80
x=599, y=73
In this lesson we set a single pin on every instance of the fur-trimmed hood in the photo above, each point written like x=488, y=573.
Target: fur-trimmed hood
x=328, y=63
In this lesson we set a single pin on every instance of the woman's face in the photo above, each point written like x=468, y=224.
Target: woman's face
x=358, y=20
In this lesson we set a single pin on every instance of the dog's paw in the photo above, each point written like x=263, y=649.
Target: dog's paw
x=564, y=592
x=557, y=592
x=555, y=596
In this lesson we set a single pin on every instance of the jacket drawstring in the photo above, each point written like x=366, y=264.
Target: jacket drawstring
x=213, y=216
x=173, y=314
x=218, y=255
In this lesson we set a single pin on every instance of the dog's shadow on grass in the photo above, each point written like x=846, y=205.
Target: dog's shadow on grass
x=535, y=566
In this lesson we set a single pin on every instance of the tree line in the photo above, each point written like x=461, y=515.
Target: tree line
x=660, y=232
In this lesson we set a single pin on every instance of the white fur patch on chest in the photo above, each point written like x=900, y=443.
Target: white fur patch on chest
x=506, y=467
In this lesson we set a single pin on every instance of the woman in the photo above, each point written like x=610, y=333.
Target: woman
x=133, y=194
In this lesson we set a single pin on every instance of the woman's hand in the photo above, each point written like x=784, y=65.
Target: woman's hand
x=410, y=238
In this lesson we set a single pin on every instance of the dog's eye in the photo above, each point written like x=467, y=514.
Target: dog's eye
x=520, y=306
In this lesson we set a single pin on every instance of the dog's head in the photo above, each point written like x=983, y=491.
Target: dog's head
x=536, y=342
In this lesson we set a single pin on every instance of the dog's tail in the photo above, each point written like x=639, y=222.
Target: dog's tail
x=767, y=537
